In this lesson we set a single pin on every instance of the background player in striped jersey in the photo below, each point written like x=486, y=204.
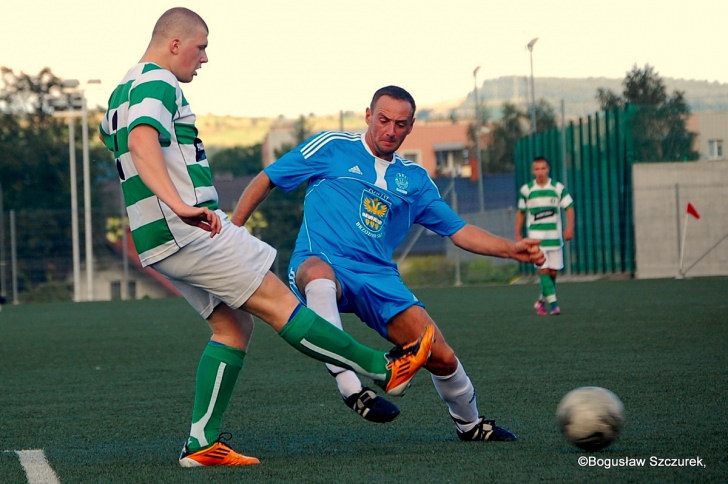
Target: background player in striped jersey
x=361, y=200
x=179, y=231
x=540, y=203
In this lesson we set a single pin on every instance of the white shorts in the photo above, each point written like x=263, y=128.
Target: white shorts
x=554, y=259
x=228, y=267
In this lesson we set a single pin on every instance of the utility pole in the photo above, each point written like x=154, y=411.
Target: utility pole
x=533, y=88
x=478, y=155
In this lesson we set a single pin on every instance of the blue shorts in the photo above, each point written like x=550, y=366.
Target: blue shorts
x=375, y=297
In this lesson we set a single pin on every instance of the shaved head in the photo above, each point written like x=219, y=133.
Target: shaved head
x=176, y=22
x=179, y=43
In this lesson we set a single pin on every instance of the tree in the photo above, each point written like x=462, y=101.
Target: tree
x=239, y=160
x=514, y=125
x=608, y=99
x=282, y=211
x=480, y=122
x=30, y=97
x=506, y=134
x=545, y=116
x=659, y=124
x=301, y=130
x=35, y=174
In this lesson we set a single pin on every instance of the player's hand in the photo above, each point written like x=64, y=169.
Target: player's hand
x=528, y=250
x=201, y=217
x=568, y=233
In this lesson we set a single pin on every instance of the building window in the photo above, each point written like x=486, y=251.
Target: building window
x=715, y=149
x=452, y=163
x=115, y=290
x=413, y=156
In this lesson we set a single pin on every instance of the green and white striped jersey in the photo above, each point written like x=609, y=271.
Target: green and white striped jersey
x=542, y=206
x=151, y=95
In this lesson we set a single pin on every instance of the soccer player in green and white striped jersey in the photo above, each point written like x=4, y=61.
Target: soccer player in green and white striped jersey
x=540, y=203
x=220, y=268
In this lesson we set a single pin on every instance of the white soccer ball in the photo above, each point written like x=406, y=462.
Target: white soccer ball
x=590, y=417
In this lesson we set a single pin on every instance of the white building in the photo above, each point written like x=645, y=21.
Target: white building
x=712, y=134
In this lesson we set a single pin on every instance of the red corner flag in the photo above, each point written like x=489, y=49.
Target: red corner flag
x=692, y=211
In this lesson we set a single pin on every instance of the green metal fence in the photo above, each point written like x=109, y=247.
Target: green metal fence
x=593, y=158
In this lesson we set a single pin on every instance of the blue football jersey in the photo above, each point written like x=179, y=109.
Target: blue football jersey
x=358, y=208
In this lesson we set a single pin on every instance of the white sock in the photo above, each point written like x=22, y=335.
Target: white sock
x=457, y=392
x=321, y=299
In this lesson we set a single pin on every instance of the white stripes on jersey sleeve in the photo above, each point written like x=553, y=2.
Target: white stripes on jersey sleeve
x=321, y=140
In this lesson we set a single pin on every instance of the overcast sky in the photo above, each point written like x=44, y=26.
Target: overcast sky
x=290, y=57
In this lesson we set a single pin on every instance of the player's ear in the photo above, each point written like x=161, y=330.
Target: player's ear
x=411, y=125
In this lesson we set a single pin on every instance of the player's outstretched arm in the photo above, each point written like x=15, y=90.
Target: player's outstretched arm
x=257, y=190
x=479, y=241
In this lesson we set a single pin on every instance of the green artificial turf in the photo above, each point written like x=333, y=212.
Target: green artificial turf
x=105, y=390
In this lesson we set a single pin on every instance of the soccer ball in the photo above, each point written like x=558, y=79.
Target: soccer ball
x=590, y=417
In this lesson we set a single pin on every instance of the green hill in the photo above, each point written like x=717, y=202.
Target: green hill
x=227, y=131
x=578, y=95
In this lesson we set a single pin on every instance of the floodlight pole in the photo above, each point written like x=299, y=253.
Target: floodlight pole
x=87, y=202
x=14, y=257
x=533, y=89
x=70, y=118
x=87, y=195
x=2, y=244
x=478, y=156
x=74, y=211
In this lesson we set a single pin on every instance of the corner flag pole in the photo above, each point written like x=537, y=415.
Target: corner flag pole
x=690, y=211
x=680, y=273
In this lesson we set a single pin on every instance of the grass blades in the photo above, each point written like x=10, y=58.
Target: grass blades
x=106, y=389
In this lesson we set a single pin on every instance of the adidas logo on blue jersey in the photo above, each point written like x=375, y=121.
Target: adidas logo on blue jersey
x=356, y=170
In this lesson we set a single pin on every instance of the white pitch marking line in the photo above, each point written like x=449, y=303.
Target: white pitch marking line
x=36, y=467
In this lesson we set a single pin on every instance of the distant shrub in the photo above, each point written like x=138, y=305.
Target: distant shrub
x=430, y=271
x=483, y=270
x=53, y=291
x=438, y=271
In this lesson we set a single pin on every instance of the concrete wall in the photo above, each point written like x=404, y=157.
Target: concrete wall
x=661, y=194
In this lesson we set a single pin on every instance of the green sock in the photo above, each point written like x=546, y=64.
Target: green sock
x=548, y=288
x=217, y=373
x=315, y=337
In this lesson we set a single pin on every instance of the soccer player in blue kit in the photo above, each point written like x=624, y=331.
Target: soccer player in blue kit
x=360, y=202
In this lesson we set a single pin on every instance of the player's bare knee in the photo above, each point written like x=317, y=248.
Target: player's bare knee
x=443, y=361
x=311, y=269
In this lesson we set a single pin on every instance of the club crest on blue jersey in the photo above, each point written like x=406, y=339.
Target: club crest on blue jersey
x=400, y=179
x=372, y=211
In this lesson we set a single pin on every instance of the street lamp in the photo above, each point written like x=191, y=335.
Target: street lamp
x=478, y=156
x=533, y=90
